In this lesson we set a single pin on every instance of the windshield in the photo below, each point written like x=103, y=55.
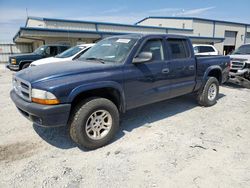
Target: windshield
x=40, y=50
x=245, y=49
x=70, y=52
x=110, y=50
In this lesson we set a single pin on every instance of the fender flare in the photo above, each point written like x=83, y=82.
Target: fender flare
x=98, y=85
x=209, y=69
x=21, y=63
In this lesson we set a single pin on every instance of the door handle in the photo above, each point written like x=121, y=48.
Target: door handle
x=191, y=67
x=165, y=71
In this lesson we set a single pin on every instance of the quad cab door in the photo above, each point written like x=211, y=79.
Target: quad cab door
x=182, y=66
x=146, y=82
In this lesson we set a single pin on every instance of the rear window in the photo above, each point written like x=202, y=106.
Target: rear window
x=178, y=48
x=63, y=48
x=204, y=49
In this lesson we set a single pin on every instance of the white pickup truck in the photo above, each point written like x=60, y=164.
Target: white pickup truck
x=205, y=49
x=68, y=55
x=240, y=63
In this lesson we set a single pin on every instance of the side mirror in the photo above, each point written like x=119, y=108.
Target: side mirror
x=143, y=57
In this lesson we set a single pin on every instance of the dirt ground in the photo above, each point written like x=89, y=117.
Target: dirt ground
x=175, y=143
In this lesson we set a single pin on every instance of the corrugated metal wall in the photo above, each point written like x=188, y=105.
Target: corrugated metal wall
x=7, y=49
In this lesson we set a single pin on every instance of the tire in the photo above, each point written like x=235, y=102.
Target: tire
x=87, y=121
x=209, y=93
x=26, y=65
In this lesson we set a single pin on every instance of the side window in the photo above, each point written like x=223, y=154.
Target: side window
x=178, y=48
x=196, y=50
x=204, y=49
x=53, y=50
x=155, y=47
x=47, y=51
x=62, y=49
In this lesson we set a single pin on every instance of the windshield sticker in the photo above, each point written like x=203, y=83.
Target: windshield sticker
x=110, y=56
x=106, y=44
x=123, y=40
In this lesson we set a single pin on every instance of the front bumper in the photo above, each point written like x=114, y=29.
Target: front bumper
x=13, y=67
x=43, y=115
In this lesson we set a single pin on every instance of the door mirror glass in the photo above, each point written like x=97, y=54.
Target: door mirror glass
x=143, y=57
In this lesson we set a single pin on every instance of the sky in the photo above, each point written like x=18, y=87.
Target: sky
x=13, y=14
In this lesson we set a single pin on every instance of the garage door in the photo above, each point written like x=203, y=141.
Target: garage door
x=248, y=37
x=230, y=38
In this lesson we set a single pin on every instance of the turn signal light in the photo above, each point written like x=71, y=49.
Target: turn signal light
x=46, y=101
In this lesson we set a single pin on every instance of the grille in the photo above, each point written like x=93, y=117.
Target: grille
x=22, y=88
x=237, y=64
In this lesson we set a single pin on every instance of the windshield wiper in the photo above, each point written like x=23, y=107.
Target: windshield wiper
x=96, y=59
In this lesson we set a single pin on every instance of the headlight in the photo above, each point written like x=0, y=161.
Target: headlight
x=13, y=61
x=43, y=97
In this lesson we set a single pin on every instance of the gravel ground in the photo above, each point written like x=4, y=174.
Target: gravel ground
x=175, y=143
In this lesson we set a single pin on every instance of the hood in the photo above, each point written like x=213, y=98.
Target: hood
x=52, y=71
x=48, y=60
x=30, y=56
x=240, y=56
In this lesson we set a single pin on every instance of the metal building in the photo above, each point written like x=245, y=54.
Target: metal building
x=38, y=31
x=8, y=49
x=235, y=34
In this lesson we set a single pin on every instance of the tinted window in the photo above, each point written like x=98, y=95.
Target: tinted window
x=178, y=48
x=155, y=47
x=245, y=49
x=63, y=48
x=53, y=50
x=40, y=50
x=203, y=49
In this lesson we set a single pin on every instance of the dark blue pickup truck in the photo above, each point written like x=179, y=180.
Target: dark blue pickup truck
x=118, y=74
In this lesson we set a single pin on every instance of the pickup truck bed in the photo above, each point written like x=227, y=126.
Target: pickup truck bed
x=211, y=62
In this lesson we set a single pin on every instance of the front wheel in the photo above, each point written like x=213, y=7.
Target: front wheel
x=94, y=123
x=26, y=65
x=209, y=94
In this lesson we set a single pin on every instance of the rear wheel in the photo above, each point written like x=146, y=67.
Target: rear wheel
x=209, y=94
x=94, y=123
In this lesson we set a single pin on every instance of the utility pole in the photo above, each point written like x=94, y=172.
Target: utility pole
x=27, y=13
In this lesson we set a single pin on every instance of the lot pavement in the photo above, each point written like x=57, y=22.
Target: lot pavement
x=175, y=143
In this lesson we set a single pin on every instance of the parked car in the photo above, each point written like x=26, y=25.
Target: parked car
x=70, y=54
x=205, y=49
x=240, y=63
x=119, y=73
x=22, y=61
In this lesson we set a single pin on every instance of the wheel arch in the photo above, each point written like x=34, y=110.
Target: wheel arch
x=213, y=71
x=111, y=91
x=24, y=62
